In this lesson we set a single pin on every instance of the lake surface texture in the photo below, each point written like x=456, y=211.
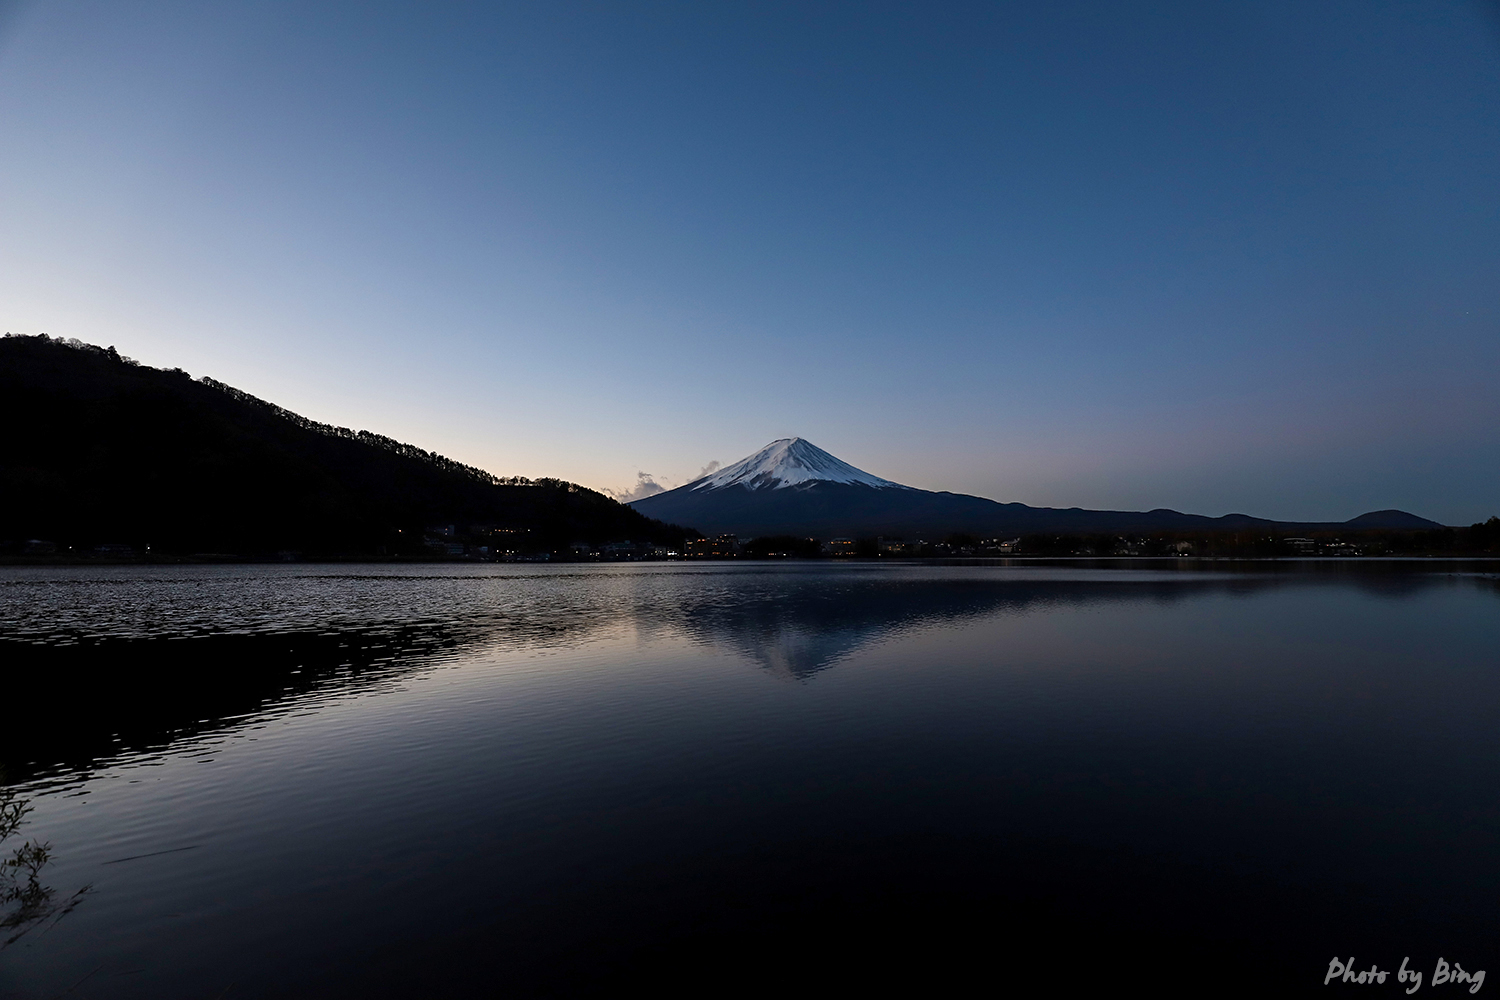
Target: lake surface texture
x=355, y=781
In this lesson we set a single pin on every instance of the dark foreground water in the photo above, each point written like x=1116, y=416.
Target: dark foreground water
x=468, y=781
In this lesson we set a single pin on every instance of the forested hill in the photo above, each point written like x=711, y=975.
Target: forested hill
x=101, y=451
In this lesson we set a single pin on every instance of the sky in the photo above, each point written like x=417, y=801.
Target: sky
x=1212, y=256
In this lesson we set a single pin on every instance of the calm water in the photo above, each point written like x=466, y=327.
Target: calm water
x=469, y=781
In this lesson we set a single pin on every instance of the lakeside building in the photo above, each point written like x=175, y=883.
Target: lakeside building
x=720, y=547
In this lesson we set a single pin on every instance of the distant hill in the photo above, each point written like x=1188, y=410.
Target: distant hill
x=1391, y=520
x=793, y=487
x=101, y=451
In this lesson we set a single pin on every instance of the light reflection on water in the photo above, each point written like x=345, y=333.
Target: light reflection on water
x=568, y=776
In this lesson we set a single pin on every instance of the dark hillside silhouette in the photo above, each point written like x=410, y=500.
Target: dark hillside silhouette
x=101, y=451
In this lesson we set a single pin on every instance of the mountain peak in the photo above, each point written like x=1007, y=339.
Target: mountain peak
x=789, y=462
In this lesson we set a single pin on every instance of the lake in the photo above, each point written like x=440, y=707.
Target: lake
x=1189, y=778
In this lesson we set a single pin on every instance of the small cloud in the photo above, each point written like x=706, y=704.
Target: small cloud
x=645, y=486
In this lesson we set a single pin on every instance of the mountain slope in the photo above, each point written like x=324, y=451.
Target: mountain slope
x=789, y=488
x=102, y=450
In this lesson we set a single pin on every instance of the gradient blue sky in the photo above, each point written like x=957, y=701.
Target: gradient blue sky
x=1210, y=256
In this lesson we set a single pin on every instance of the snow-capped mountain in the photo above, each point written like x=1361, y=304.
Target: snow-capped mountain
x=789, y=462
x=793, y=487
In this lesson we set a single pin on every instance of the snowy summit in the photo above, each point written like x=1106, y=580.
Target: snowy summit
x=786, y=463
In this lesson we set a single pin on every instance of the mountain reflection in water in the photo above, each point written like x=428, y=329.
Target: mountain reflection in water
x=153, y=655
x=806, y=624
x=471, y=780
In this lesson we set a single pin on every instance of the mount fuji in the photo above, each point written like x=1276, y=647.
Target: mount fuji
x=793, y=487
